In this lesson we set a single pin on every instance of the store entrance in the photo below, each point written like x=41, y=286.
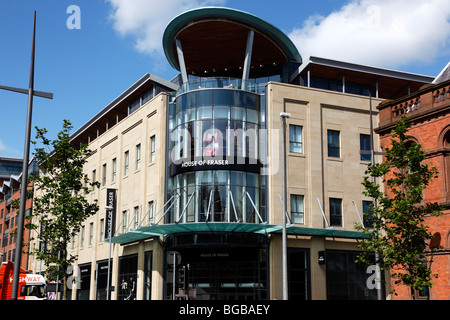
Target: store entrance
x=217, y=273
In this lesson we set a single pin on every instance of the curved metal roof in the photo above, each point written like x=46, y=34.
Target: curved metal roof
x=215, y=38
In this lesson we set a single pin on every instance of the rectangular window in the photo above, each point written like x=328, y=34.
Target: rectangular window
x=138, y=156
x=104, y=175
x=295, y=139
x=82, y=236
x=367, y=214
x=127, y=162
x=94, y=179
x=136, y=217
x=114, y=169
x=297, y=213
x=336, y=212
x=124, y=221
x=364, y=141
x=333, y=144
x=150, y=210
x=345, y=278
x=152, y=149
x=102, y=229
x=91, y=233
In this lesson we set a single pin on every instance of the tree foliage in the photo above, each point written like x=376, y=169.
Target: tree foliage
x=399, y=235
x=59, y=205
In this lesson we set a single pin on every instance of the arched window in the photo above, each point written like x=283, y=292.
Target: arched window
x=445, y=142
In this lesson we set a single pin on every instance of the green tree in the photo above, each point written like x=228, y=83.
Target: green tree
x=399, y=235
x=59, y=206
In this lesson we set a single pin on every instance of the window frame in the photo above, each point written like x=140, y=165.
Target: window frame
x=294, y=200
x=126, y=162
x=294, y=128
x=333, y=213
x=331, y=146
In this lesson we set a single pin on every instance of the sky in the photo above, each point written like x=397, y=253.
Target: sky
x=89, y=51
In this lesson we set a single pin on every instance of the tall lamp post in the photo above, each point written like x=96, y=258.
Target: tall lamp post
x=283, y=116
x=24, y=184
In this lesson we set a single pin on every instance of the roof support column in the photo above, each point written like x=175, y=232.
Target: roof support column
x=183, y=71
x=248, y=58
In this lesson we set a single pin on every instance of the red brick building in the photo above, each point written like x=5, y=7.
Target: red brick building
x=428, y=108
x=9, y=212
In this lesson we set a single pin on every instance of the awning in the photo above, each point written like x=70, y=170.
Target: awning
x=148, y=232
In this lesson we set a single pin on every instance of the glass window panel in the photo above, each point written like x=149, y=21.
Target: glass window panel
x=295, y=139
x=297, y=213
x=364, y=141
x=238, y=113
x=333, y=143
x=204, y=98
x=221, y=97
x=335, y=212
x=190, y=100
x=252, y=115
x=221, y=112
x=204, y=113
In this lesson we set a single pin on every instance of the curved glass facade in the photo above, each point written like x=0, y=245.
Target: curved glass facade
x=214, y=152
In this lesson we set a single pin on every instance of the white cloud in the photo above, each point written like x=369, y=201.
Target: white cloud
x=146, y=20
x=379, y=33
x=2, y=146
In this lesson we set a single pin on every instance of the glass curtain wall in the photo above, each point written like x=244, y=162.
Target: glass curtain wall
x=216, y=124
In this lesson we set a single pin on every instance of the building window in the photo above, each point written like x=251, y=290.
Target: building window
x=124, y=221
x=104, y=175
x=364, y=141
x=333, y=144
x=127, y=278
x=102, y=229
x=150, y=210
x=346, y=279
x=127, y=162
x=152, y=149
x=368, y=214
x=297, y=213
x=138, y=156
x=148, y=275
x=114, y=169
x=91, y=233
x=82, y=236
x=136, y=217
x=336, y=212
x=299, y=274
x=94, y=179
x=295, y=139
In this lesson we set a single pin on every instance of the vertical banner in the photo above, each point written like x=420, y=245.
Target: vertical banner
x=110, y=213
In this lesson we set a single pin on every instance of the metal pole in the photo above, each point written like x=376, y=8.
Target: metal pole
x=24, y=183
x=110, y=209
x=372, y=161
x=283, y=117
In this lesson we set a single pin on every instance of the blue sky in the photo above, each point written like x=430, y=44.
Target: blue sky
x=120, y=40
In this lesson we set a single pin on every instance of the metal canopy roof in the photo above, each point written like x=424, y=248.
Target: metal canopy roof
x=215, y=38
x=148, y=232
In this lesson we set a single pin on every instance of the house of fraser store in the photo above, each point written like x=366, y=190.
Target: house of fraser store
x=195, y=169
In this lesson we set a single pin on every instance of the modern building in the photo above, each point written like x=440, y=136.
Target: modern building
x=9, y=166
x=428, y=108
x=191, y=170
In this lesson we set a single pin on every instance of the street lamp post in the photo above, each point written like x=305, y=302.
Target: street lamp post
x=283, y=116
x=110, y=211
x=24, y=184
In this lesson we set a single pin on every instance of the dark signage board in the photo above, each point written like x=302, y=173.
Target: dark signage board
x=110, y=213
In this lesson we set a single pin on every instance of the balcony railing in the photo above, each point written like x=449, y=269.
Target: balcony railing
x=225, y=83
x=431, y=97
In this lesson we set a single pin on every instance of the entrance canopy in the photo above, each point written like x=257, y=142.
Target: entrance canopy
x=148, y=232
